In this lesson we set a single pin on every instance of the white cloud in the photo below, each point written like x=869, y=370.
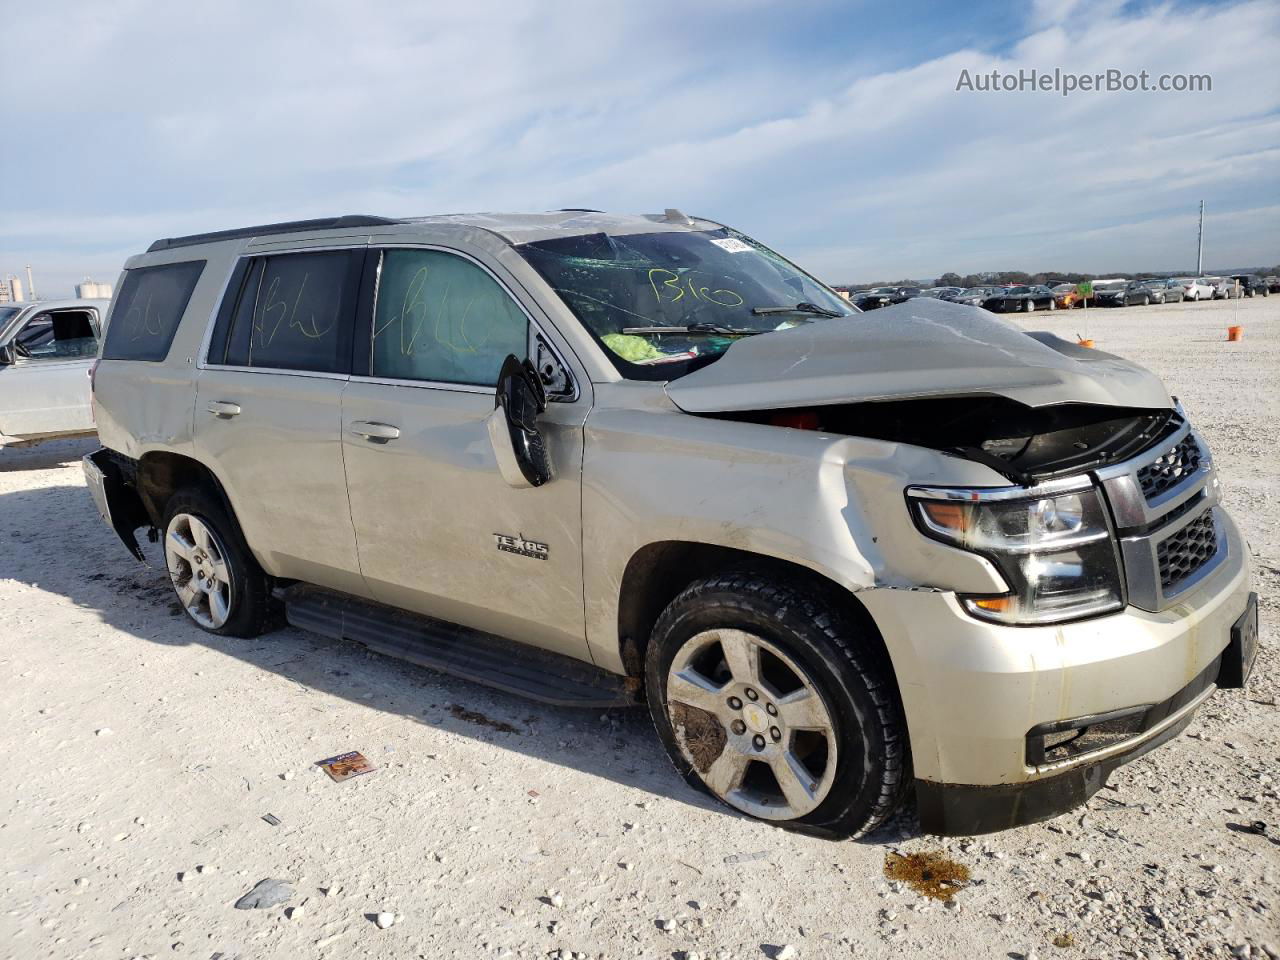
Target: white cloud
x=251, y=112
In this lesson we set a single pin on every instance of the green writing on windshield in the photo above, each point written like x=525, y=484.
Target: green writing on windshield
x=673, y=286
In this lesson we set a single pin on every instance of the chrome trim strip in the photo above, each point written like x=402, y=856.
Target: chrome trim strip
x=277, y=371
x=1124, y=746
x=1129, y=504
x=986, y=494
x=427, y=385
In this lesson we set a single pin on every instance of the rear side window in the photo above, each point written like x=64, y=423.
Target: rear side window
x=148, y=309
x=294, y=312
x=443, y=319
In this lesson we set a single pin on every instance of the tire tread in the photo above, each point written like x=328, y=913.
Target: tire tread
x=839, y=632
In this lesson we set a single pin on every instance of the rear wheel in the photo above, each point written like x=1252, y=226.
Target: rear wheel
x=218, y=582
x=1146, y=301
x=1053, y=304
x=778, y=705
x=1031, y=306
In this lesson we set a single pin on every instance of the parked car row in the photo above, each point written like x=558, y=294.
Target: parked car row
x=1062, y=296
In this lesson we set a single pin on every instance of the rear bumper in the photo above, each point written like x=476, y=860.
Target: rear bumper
x=115, y=498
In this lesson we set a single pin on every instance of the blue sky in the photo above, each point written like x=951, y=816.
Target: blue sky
x=832, y=131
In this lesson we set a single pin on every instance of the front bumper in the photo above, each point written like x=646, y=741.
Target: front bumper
x=973, y=692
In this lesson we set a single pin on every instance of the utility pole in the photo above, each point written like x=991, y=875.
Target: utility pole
x=31, y=284
x=1199, y=246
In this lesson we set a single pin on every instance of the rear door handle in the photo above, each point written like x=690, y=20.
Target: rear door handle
x=374, y=432
x=224, y=409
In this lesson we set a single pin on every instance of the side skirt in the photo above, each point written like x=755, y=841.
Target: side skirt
x=483, y=658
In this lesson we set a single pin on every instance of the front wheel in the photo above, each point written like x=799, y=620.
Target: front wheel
x=216, y=578
x=778, y=706
x=1053, y=304
x=1031, y=306
x=1146, y=301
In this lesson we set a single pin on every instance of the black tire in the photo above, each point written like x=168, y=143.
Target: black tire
x=253, y=610
x=1030, y=306
x=844, y=661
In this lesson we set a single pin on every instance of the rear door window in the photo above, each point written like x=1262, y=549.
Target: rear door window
x=148, y=309
x=293, y=312
x=441, y=318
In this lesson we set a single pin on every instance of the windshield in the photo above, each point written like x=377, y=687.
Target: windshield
x=670, y=279
x=1020, y=290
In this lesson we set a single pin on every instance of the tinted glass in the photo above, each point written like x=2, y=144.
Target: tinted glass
x=67, y=335
x=148, y=309
x=442, y=318
x=620, y=285
x=292, y=313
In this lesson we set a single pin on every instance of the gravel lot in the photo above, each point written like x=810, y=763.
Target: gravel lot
x=146, y=753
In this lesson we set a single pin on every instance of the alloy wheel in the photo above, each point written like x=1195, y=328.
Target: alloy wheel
x=752, y=723
x=198, y=568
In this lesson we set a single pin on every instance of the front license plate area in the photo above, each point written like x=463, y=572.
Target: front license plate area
x=1242, y=651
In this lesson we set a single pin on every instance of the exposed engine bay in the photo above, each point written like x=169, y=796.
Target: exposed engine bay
x=1025, y=444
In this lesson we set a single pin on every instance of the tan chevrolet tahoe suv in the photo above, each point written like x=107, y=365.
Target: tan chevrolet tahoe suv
x=597, y=459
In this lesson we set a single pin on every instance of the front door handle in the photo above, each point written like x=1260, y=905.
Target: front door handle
x=224, y=409
x=374, y=432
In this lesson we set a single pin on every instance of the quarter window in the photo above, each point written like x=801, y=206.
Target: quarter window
x=148, y=309
x=441, y=318
x=293, y=312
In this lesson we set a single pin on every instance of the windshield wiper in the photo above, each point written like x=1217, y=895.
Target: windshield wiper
x=709, y=329
x=801, y=307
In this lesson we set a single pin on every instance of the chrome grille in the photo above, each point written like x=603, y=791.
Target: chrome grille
x=1163, y=503
x=1170, y=468
x=1182, y=554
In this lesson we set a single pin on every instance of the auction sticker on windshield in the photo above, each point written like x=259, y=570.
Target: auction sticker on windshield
x=732, y=245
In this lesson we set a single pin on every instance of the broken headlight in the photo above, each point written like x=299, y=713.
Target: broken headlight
x=1054, y=549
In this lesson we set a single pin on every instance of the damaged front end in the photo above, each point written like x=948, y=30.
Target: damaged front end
x=948, y=377
x=1025, y=444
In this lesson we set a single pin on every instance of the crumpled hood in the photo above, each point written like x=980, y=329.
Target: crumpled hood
x=921, y=348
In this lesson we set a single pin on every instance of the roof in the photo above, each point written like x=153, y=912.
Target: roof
x=513, y=227
x=59, y=304
x=530, y=227
x=266, y=229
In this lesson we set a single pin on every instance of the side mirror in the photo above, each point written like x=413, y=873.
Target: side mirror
x=517, y=443
x=6, y=355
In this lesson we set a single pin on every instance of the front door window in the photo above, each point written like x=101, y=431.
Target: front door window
x=64, y=335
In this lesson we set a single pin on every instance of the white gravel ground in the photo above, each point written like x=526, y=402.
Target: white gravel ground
x=143, y=755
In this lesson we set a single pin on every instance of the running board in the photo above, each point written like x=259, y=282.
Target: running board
x=481, y=657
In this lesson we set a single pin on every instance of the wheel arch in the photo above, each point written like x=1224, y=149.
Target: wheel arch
x=658, y=572
x=161, y=474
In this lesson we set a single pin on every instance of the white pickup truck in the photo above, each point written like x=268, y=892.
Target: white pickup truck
x=46, y=351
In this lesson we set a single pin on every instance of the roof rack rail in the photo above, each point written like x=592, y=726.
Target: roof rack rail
x=267, y=229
